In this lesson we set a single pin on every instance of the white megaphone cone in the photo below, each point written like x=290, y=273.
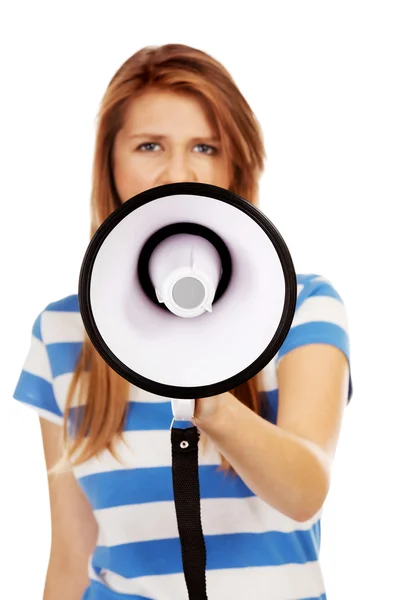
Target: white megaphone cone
x=185, y=271
x=187, y=290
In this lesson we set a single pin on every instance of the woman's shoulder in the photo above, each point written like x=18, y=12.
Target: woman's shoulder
x=57, y=337
x=317, y=286
x=60, y=321
x=313, y=281
x=320, y=315
x=69, y=304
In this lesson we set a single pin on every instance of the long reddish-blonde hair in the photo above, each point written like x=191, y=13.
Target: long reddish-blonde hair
x=94, y=384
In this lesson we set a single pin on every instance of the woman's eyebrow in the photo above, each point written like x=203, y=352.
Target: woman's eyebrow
x=214, y=139
x=149, y=135
x=157, y=136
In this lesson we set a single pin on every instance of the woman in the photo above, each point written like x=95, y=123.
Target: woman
x=173, y=114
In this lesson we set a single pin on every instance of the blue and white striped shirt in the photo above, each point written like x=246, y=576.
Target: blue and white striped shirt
x=253, y=550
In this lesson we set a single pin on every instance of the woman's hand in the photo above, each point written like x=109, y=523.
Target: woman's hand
x=207, y=408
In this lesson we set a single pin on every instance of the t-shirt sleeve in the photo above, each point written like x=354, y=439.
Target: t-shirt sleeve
x=320, y=318
x=35, y=384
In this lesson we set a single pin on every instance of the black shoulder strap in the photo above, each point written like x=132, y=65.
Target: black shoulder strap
x=185, y=475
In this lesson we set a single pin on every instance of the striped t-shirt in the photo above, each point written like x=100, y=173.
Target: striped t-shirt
x=253, y=550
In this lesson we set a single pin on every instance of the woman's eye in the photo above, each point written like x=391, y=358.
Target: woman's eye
x=205, y=149
x=148, y=147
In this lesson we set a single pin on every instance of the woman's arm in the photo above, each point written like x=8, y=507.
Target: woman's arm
x=73, y=526
x=288, y=464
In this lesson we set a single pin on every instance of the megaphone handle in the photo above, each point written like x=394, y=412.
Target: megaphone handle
x=186, y=486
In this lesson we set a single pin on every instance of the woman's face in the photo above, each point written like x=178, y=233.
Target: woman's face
x=167, y=137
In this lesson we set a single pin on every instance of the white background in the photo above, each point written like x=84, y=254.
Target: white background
x=323, y=79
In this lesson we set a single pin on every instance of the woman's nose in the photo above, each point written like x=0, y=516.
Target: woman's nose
x=177, y=169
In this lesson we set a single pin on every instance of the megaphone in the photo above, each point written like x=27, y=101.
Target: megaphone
x=187, y=290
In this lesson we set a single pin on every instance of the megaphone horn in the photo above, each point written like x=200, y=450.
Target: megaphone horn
x=187, y=290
